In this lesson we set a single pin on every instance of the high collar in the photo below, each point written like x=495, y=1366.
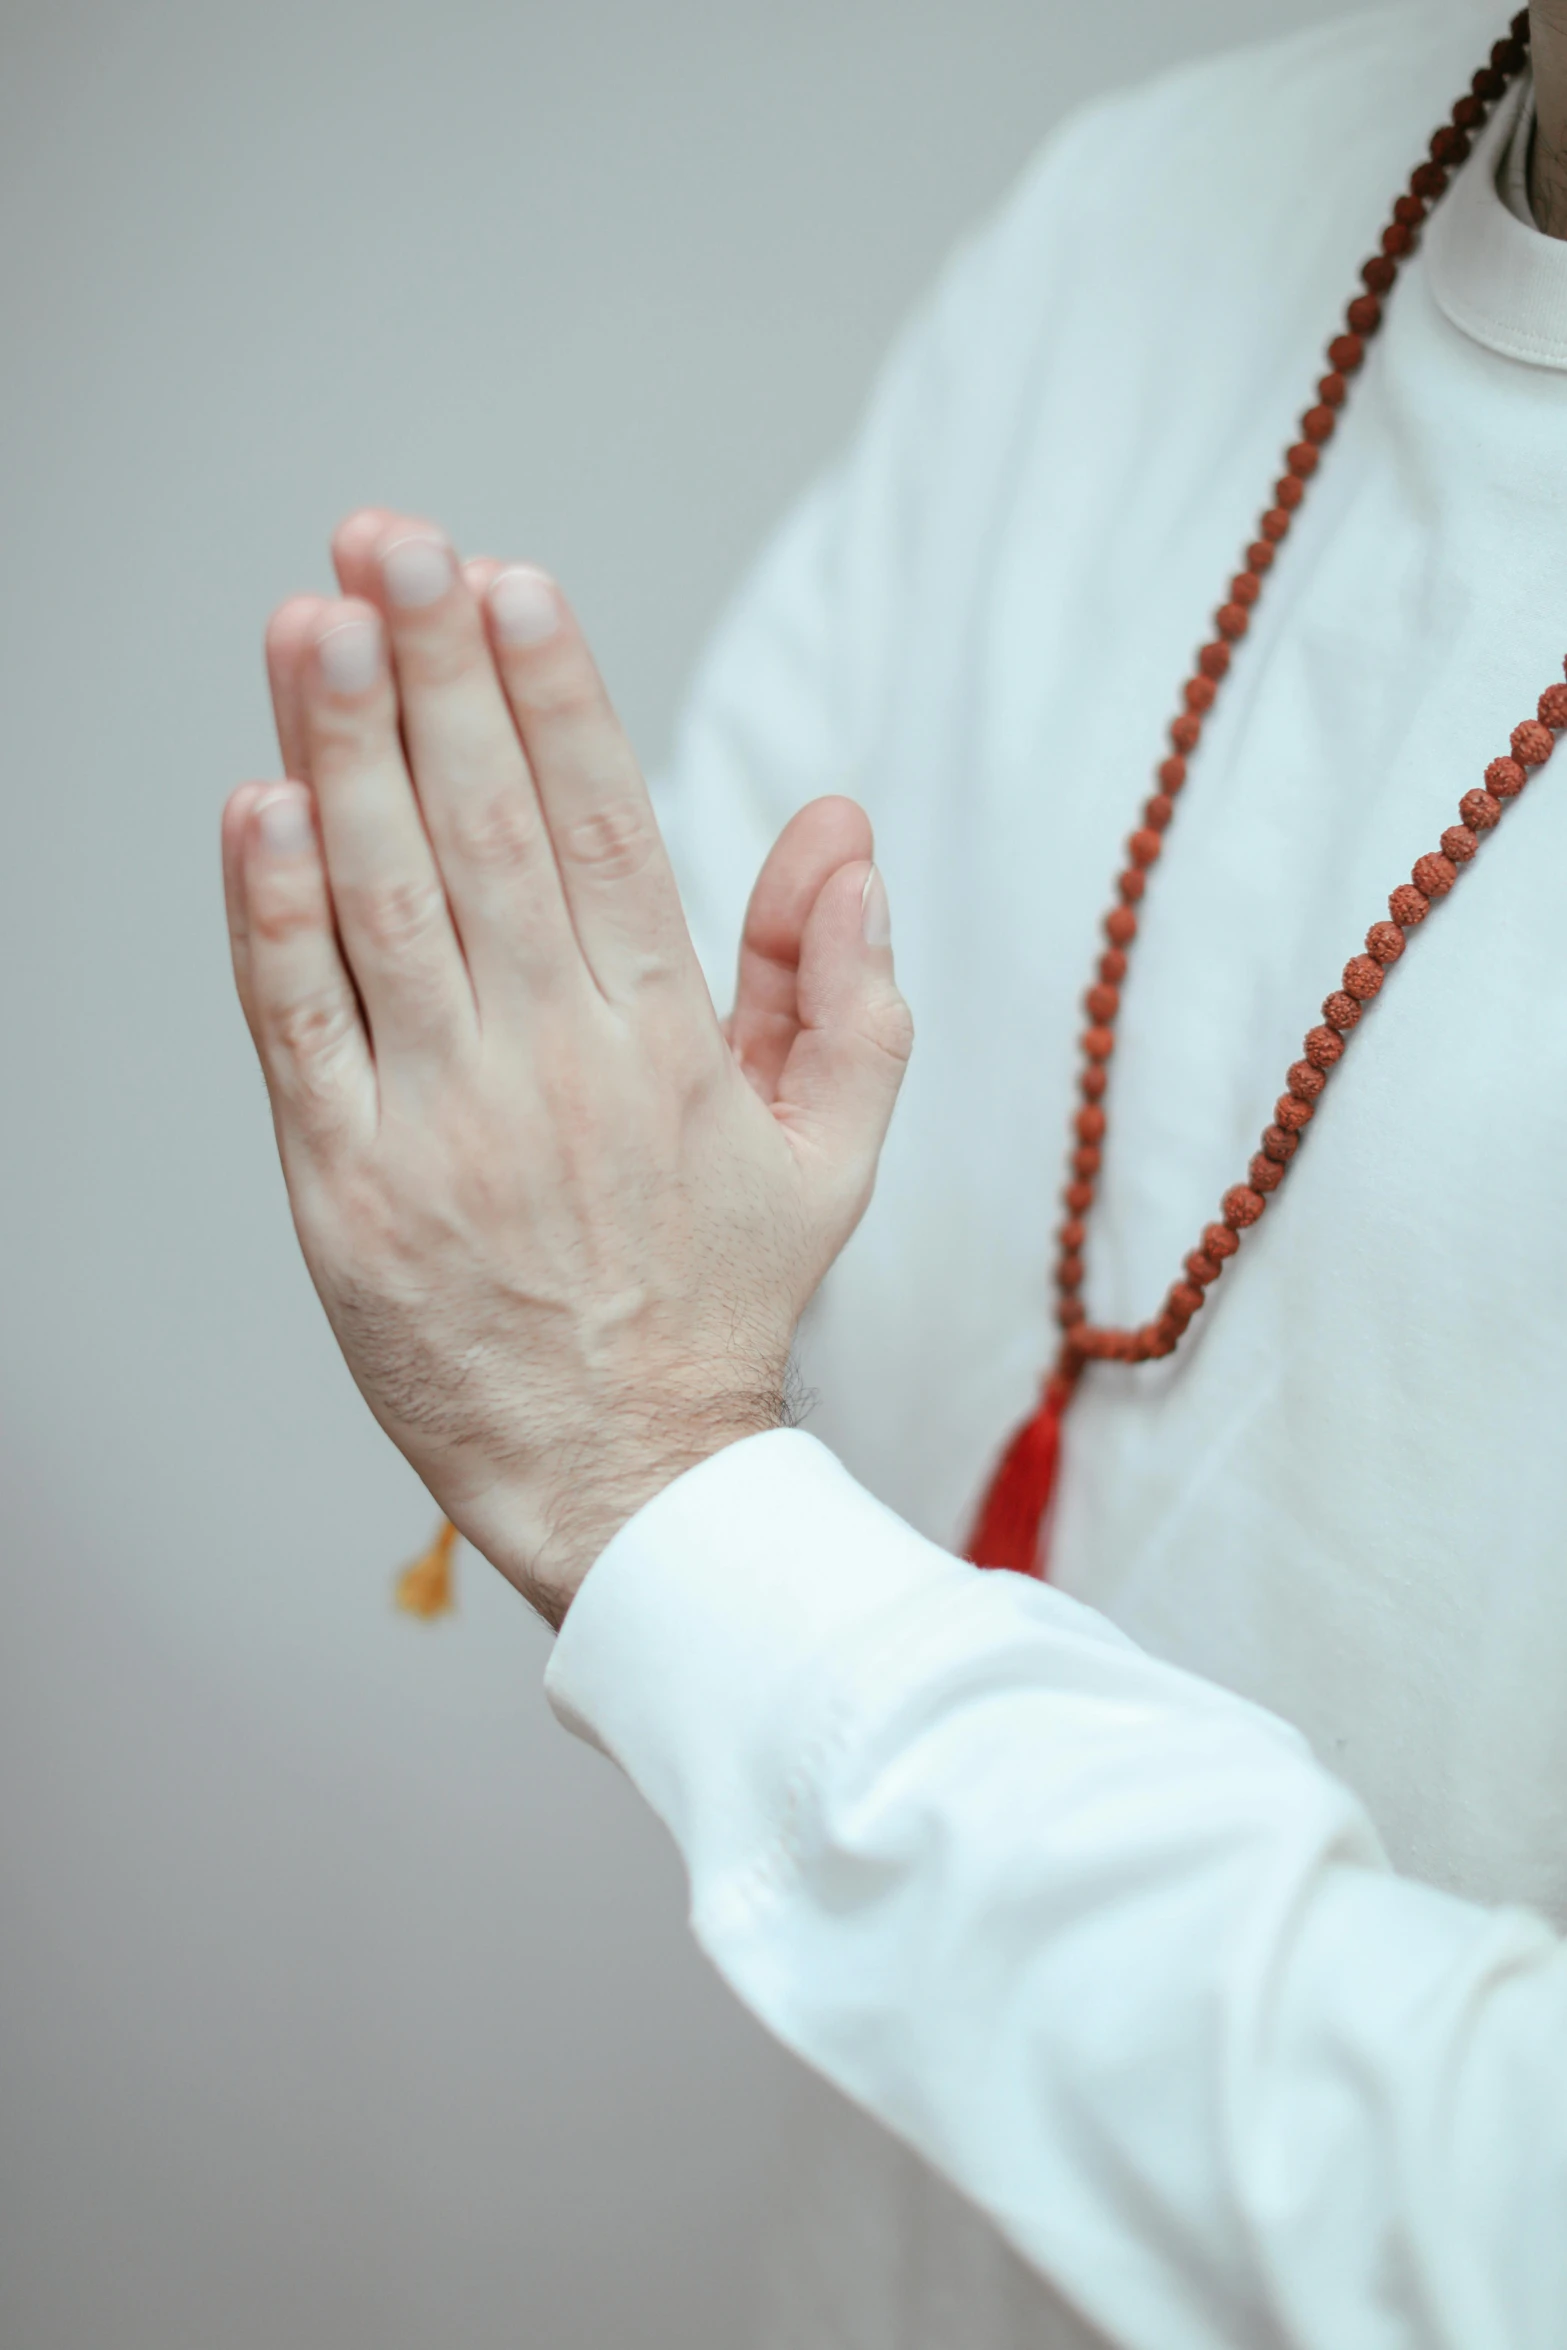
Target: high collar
x=1498, y=278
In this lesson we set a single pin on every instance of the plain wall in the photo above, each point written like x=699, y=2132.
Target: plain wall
x=344, y=2001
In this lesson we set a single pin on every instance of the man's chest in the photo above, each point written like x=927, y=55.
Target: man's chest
x=1347, y=1494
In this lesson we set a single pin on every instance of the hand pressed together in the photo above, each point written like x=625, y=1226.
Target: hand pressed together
x=562, y=1221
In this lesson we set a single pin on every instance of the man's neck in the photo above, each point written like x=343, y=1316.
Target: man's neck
x=1548, y=163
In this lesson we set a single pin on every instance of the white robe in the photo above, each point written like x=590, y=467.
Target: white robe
x=1346, y=1496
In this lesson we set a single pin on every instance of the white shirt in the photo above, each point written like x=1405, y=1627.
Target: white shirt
x=1345, y=1498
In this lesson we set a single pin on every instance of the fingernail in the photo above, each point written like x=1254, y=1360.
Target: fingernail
x=286, y=829
x=875, y=913
x=350, y=656
x=417, y=572
x=523, y=602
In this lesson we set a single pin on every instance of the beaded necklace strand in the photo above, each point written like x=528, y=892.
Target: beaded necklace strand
x=1007, y=1526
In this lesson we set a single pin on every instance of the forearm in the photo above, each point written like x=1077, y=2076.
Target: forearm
x=1102, y=1942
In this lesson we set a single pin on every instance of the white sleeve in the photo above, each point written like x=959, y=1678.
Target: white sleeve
x=1101, y=1941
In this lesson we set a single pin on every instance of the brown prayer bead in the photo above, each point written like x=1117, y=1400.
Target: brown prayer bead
x=1479, y=810
x=1434, y=876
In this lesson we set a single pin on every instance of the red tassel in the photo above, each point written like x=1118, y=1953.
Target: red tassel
x=1006, y=1530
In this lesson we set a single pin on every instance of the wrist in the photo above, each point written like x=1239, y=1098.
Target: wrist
x=549, y=1538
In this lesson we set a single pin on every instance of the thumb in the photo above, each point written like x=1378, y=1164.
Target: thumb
x=837, y=1089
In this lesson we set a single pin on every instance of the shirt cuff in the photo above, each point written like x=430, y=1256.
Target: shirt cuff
x=702, y=1650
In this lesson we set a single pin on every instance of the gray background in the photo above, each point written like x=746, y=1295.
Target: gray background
x=343, y=2000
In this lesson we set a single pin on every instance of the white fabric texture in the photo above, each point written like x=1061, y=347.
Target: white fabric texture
x=1103, y=1941
x=1346, y=1496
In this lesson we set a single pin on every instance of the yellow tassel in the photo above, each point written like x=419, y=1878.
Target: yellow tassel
x=425, y=1588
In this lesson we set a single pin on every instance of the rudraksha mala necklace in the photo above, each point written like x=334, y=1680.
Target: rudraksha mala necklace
x=1007, y=1527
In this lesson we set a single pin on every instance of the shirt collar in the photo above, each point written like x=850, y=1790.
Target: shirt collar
x=1496, y=275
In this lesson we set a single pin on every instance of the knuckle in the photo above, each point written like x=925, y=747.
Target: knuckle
x=313, y=1033
x=497, y=833
x=614, y=842
x=395, y=917
x=278, y=918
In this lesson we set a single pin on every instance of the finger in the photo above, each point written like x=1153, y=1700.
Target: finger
x=290, y=633
x=470, y=772
x=354, y=543
x=481, y=572
x=766, y=1017
x=232, y=835
x=840, y=1082
x=391, y=906
x=304, y=1014
x=617, y=880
